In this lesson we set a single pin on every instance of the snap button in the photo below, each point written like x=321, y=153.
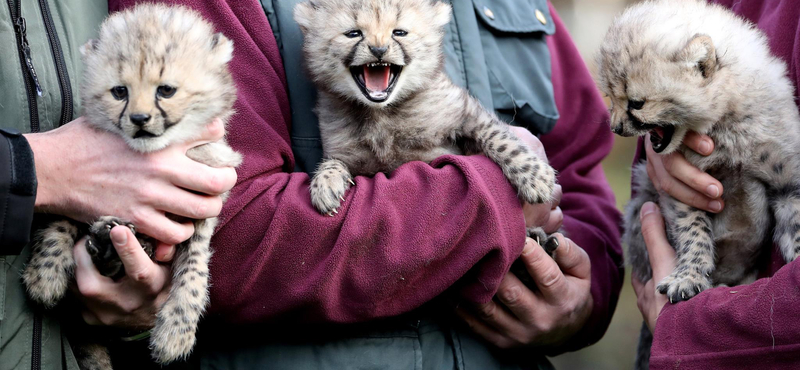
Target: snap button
x=540, y=16
x=489, y=13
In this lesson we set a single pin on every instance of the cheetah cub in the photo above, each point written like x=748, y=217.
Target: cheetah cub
x=384, y=98
x=156, y=76
x=674, y=66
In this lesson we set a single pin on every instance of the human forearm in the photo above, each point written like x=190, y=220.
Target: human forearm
x=395, y=244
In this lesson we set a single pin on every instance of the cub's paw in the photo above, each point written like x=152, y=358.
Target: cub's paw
x=173, y=336
x=683, y=286
x=548, y=242
x=329, y=185
x=50, y=269
x=534, y=180
x=101, y=248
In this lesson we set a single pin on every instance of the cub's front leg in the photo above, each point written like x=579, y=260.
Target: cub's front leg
x=328, y=186
x=51, y=266
x=534, y=179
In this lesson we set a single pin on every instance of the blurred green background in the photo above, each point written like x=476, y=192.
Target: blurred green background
x=587, y=21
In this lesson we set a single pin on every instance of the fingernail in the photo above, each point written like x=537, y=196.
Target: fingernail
x=715, y=206
x=713, y=191
x=119, y=239
x=705, y=147
x=647, y=209
x=529, y=244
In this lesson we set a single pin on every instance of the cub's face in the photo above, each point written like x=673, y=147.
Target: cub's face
x=373, y=51
x=663, y=93
x=156, y=76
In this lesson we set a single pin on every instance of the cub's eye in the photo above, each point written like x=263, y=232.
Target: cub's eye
x=400, y=33
x=166, y=91
x=353, y=34
x=635, y=104
x=119, y=92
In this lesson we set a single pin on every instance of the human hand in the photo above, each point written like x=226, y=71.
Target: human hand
x=131, y=302
x=84, y=173
x=674, y=175
x=662, y=260
x=546, y=215
x=547, y=317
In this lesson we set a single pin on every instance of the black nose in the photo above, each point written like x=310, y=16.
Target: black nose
x=140, y=119
x=617, y=130
x=378, y=51
x=635, y=104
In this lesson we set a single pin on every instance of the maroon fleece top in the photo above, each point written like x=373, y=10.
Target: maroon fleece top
x=754, y=326
x=400, y=239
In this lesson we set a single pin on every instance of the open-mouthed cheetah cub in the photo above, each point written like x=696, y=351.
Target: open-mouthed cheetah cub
x=385, y=100
x=156, y=76
x=674, y=66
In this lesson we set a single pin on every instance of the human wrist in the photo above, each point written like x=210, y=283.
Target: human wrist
x=46, y=161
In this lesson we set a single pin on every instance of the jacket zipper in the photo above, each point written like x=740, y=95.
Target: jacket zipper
x=31, y=79
x=36, y=352
x=61, y=67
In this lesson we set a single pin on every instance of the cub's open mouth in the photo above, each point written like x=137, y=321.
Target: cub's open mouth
x=376, y=80
x=143, y=134
x=661, y=136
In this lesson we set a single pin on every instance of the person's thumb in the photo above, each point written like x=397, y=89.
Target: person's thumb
x=662, y=255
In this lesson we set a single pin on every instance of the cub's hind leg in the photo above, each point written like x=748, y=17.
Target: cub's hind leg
x=176, y=322
x=691, y=232
x=785, y=204
x=52, y=264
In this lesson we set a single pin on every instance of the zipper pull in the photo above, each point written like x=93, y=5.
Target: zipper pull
x=21, y=28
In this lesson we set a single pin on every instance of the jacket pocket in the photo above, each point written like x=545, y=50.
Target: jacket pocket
x=513, y=36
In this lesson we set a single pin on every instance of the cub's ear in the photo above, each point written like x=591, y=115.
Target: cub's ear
x=700, y=53
x=221, y=48
x=89, y=48
x=304, y=15
x=442, y=13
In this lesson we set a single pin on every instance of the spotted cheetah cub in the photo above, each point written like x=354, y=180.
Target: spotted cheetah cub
x=384, y=98
x=155, y=76
x=674, y=66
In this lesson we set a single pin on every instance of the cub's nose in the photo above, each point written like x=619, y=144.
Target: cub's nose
x=140, y=119
x=378, y=52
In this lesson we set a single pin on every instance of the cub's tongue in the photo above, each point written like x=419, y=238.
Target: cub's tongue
x=376, y=78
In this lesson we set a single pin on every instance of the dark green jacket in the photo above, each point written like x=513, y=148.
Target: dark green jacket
x=54, y=31
x=490, y=44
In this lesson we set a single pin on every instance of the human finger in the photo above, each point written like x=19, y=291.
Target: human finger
x=543, y=269
x=201, y=178
x=161, y=228
x=183, y=203
x=556, y=199
x=572, y=259
x=164, y=252
x=517, y=297
x=483, y=329
x=138, y=266
x=555, y=221
x=677, y=165
x=662, y=255
x=214, y=131
x=664, y=181
x=90, y=283
x=702, y=144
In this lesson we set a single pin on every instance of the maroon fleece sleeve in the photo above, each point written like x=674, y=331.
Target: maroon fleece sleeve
x=398, y=241
x=577, y=145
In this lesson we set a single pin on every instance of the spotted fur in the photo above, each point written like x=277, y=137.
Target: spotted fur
x=424, y=117
x=173, y=69
x=687, y=65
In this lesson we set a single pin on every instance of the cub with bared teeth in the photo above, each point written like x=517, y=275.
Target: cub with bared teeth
x=384, y=98
x=669, y=67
